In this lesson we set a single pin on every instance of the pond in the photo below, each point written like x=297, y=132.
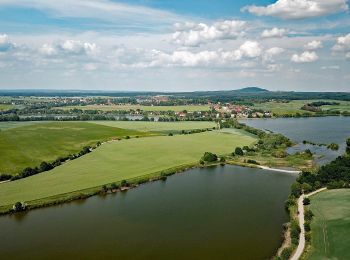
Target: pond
x=320, y=130
x=223, y=212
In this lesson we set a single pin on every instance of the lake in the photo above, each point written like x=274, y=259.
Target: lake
x=326, y=130
x=224, y=212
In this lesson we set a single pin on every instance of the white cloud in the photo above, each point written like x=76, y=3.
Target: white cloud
x=69, y=47
x=299, y=9
x=313, y=45
x=271, y=53
x=343, y=43
x=190, y=34
x=305, y=57
x=274, y=33
x=249, y=49
x=5, y=43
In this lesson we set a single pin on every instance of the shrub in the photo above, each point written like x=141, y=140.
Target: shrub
x=18, y=206
x=114, y=186
x=308, y=215
x=170, y=134
x=306, y=201
x=252, y=162
x=209, y=157
x=286, y=253
x=239, y=151
x=124, y=183
x=307, y=226
x=222, y=159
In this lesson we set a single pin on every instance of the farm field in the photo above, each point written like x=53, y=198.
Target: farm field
x=29, y=145
x=14, y=124
x=157, y=126
x=344, y=106
x=280, y=108
x=189, y=108
x=115, y=161
x=331, y=225
x=4, y=107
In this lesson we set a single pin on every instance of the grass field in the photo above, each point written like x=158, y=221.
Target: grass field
x=6, y=107
x=342, y=107
x=280, y=108
x=157, y=126
x=14, y=124
x=189, y=108
x=120, y=160
x=28, y=146
x=331, y=225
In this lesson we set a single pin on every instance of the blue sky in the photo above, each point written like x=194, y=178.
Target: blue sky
x=178, y=45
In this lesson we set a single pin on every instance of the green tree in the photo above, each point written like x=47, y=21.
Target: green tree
x=306, y=201
x=209, y=157
x=296, y=189
x=239, y=151
x=18, y=207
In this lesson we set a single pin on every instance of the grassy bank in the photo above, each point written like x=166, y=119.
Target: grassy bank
x=116, y=161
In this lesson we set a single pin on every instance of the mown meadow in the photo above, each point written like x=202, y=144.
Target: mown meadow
x=121, y=160
x=330, y=225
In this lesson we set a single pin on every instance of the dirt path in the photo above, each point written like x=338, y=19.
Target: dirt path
x=301, y=244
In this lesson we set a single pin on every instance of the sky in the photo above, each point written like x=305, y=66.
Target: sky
x=168, y=45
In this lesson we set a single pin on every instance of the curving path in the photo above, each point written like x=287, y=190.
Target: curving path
x=301, y=244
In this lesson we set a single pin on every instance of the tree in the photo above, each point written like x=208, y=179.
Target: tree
x=296, y=189
x=44, y=166
x=18, y=206
x=114, y=186
x=222, y=159
x=308, y=215
x=209, y=157
x=239, y=151
x=348, y=145
x=306, y=201
x=124, y=183
x=306, y=187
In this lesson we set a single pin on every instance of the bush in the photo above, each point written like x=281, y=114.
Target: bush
x=296, y=189
x=308, y=215
x=124, y=183
x=18, y=207
x=209, y=157
x=252, y=162
x=306, y=201
x=239, y=151
x=307, y=226
x=222, y=159
x=44, y=166
x=114, y=186
x=286, y=253
x=5, y=177
x=170, y=134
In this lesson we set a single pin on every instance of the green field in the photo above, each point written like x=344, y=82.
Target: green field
x=157, y=126
x=28, y=146
x=280, y=108
x=331, y=225
x=120, y=160
x=189, y=108
x=344, y=106
x=14, y=124
x=4, y=107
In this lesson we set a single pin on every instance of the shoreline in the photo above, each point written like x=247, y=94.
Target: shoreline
x=133, y=182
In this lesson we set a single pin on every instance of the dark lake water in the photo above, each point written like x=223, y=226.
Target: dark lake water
x=214, y=213
x=335, y=129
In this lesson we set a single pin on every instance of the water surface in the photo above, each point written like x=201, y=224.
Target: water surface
x=320, y=130
x=215, y=213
